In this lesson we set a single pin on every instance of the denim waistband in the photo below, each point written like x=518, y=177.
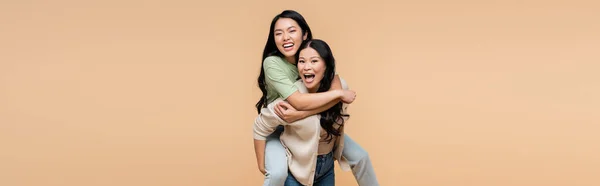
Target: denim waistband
x=330, y=154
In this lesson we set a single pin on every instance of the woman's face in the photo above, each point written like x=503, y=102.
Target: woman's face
x=311, y=68
x=288, y=37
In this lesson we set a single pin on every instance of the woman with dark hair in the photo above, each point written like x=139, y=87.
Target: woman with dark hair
x=313, y=143
x=278, y=73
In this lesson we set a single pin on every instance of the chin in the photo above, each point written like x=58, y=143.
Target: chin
x=289, y=54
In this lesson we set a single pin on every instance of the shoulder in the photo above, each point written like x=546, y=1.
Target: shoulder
x=273, y=61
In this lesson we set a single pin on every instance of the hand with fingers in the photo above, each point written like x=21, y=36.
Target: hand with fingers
x=287, y=112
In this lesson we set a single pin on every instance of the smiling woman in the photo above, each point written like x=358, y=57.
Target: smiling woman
x=283, y=102
x=317, y=74
x=312, y=144
x=286, y=37
x=316, y=63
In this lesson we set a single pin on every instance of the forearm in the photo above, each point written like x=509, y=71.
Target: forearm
x=307, y=113
x=335, y=85
x=314, y=102
x=301, y=114
x=259, y=150
x=311, y=101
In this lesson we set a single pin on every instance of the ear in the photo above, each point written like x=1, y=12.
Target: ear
x=305, y=36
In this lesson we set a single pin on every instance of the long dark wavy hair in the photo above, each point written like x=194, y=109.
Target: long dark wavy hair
x=271, y=50
x=334, y=114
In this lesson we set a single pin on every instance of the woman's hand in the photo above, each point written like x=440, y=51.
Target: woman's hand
x=287, y=112
x=261, y=168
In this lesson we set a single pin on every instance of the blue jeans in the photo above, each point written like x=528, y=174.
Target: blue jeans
x=277, y=168
x=324, y=173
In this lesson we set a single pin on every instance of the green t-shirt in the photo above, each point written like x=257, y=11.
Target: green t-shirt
x=279, y=78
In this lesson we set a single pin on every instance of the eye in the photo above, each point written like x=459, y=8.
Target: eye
x=292, y=31
x=278, y=34
x=301, y=61
x=314, y=61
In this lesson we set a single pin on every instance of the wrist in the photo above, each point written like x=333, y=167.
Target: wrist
x=301, y=114
x=339, y=93
x=261, y=164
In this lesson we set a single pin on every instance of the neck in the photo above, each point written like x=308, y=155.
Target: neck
x=291, y=60
x=314, y=89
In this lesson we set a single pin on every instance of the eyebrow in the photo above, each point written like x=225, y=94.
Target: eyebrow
x=287, y=28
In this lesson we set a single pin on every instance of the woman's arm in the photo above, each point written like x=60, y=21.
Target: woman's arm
x=259, y=150
x=311, y=101
x=336, y=84
x=316, y=101
x=289, y=114
x=276, y=76
x=264, y=125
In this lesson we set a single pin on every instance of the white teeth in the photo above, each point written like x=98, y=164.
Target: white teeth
x=288, y=45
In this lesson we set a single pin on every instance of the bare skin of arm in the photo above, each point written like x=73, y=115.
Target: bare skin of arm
x=312, y=101
x=290, y=113
x=259, y=150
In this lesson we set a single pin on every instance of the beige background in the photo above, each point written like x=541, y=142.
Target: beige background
x=461, y=93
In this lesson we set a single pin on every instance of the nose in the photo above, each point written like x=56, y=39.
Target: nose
x=286, y=36
x=306, y=67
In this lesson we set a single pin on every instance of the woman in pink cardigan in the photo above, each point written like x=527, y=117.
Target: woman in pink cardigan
x=312, y=143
